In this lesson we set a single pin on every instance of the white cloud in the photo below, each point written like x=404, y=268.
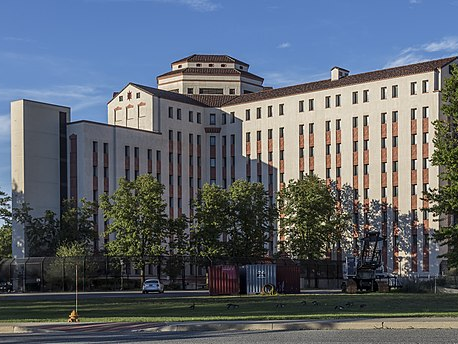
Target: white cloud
x=446, y=44
x=284, y=45
x=445, y=47
x=415, y=2
x=197, y=5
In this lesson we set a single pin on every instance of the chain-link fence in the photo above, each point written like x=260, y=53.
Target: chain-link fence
x=101, y=273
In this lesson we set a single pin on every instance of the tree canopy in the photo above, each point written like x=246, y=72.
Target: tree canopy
x=444, y=200
x=136, y=216
x=310, y=221
x=5, y=225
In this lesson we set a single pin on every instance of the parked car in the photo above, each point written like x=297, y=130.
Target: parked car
x=152, y=285
x=6, y=287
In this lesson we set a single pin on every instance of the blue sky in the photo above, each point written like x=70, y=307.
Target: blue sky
x=77, y=52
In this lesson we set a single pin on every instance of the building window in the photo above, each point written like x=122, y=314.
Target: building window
x=394, y=91
x=282, y=132
x=366, y=145
x=328, y=149
x=425, y=163
x=301, y=129
x=413, y=189
x=199, y=117
x=212, y=162
x=338, y=124
x=258, y=135
x=425, y=112
x=413, y=139
x=383, y=117
x=170, y=112
x=247, y=114
x=269, y=111
x=327, y=102
x=354, y=97
x=413, y=113
x=281, y=108
x=190, y=90
x=120, y=98
x=179, y=114
x=338, y=148
x=413, y=88
x=383, y=192
x=212, y=140
x=258, y=113
x=425, y=86
x=191, y=116
x=395, y=141
x=212, y=119
x=311, y=151
x=383, y=142
x=282, y=155
x=425, y=137
x=366, y=169
x=223, y=118
x=355, y=146
x=269, y=133
x=247, y=137
x=232, y=117
x=413, y=164
x=366, y=196
x=311, y=104
x=338, y=99
x=137, y=95
x=355, y=122
x=365, y=96
x=328, y=125
x=394, y=116
x=395, y=166
x=383, y=93
x=365, y=120
x=310, y=128
x=301, y=106
x=355, y=170
x=232, y=91
x=328, y=173
x=383, y=168
x=301, y=152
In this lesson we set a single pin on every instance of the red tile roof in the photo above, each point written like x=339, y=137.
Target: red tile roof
x=210, y=59
x=345, y=81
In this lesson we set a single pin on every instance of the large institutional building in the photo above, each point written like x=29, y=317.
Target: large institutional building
x=212, y=121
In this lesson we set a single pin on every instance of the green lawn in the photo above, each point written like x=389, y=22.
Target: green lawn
x=249, y=308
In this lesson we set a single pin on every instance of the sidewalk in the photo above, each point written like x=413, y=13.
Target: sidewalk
x=268, y=325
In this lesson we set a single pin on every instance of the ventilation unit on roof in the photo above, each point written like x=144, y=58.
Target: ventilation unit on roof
x=338, y=73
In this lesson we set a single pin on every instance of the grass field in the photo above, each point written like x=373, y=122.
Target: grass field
x=247, y=308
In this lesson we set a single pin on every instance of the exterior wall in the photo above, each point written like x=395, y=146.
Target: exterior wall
x=351, y=143
x=404, y=241
x=35, y=161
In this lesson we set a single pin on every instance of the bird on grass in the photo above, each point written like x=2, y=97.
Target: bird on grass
x=349, y=304
x=231, y=306
x=362, y=305
x=303, y=303
x=315, y=303
x=280, y=305
x=193, y=306
x=339, y=307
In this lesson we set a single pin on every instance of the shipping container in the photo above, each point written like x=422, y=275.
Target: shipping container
x=288, y=279
x=223, y=280
x=253, y=278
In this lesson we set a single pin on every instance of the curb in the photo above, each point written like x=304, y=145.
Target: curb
x=348, y=324
x=14, y=329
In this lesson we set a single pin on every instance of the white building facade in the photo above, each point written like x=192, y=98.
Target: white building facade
x=212, y=121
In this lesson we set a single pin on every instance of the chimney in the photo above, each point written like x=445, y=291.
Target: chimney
x=338, y=73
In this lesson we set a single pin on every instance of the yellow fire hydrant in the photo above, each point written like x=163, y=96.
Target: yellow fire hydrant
x=73, y=317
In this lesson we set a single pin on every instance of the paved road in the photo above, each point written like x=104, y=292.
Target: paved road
x=130, y=294
x=237, y=337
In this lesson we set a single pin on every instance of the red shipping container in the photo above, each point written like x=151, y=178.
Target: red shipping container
x=223, y=280
x=288, y=279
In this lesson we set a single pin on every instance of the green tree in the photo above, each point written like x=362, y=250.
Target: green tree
x=252, y=219
x=444, y=201
x=210, y=221
x=136, y=215
x=76, y=224
x=178, y=248
x=5, y=225
x=309, y=220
